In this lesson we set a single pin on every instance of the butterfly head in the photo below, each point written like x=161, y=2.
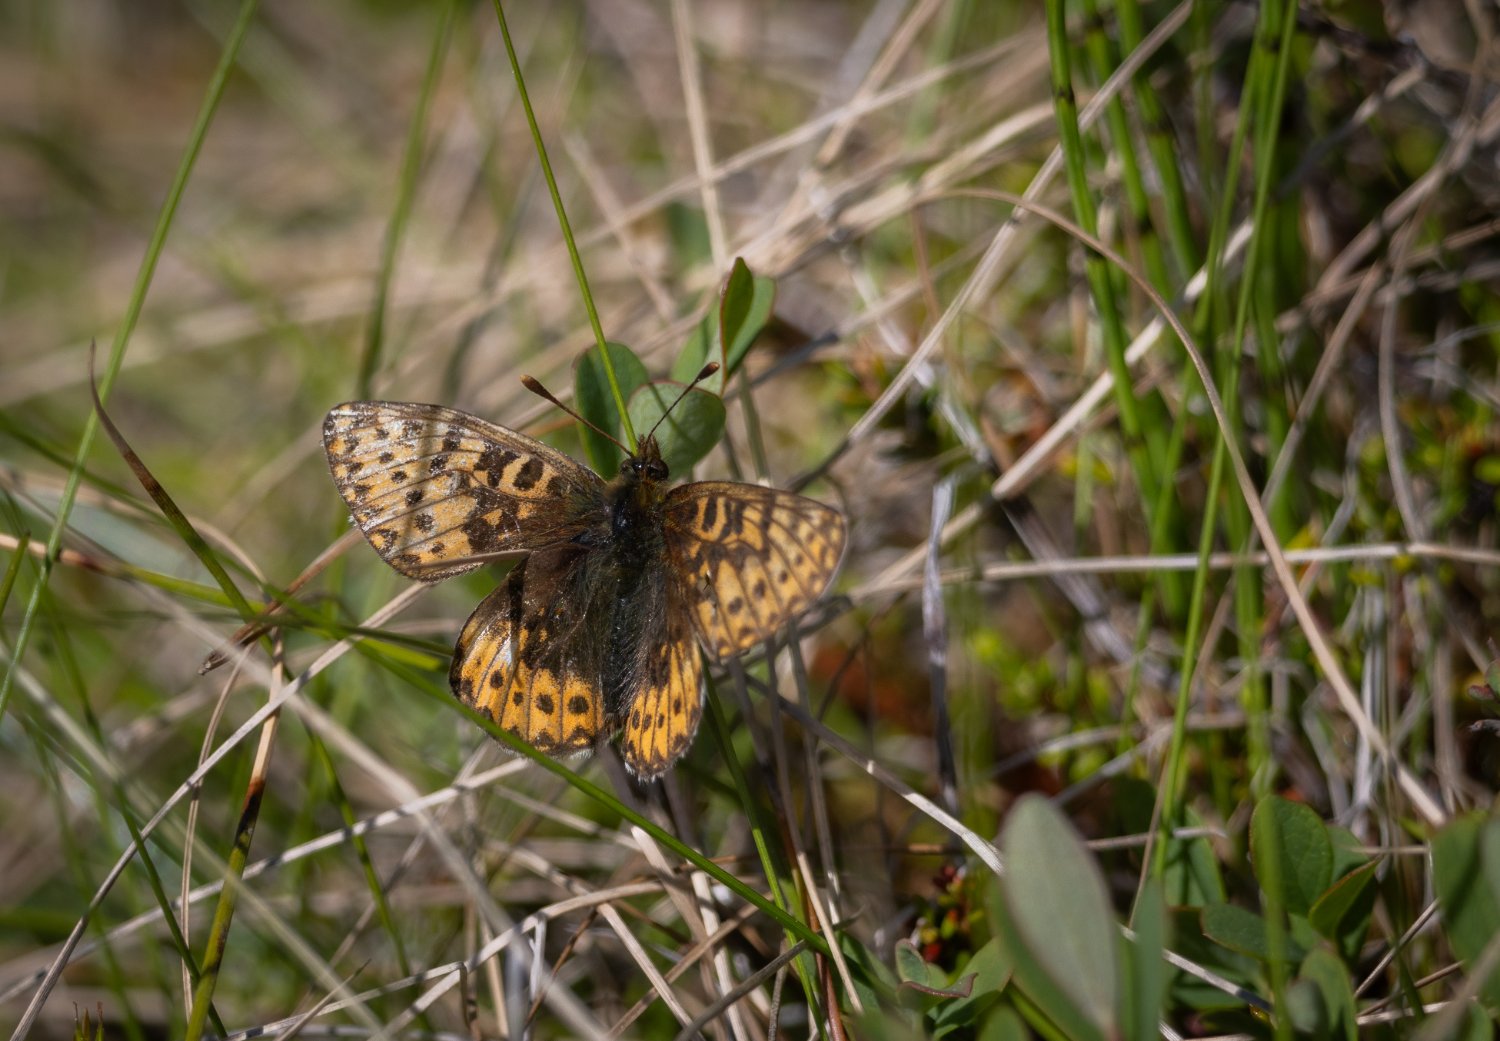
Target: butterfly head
x=645, y=465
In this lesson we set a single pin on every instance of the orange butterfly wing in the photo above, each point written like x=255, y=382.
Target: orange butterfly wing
x=749, y=559
x=530, y=658
x=433, y=487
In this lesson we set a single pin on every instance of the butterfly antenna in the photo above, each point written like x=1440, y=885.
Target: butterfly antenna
x=703, y=374
x=535, y=386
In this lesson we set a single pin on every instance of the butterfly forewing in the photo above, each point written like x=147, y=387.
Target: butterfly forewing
x=529, y=660
x=432, y=487
x=663, y=716
x=749, y=559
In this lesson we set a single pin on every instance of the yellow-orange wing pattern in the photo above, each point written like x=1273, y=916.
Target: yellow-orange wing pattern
x=433, y=487
x=748, y=559
x=529, y=659
x=660, y=720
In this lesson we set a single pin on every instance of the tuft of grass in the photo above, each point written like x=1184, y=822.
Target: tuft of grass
x=1150, y=351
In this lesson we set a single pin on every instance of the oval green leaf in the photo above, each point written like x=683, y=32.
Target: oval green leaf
x=689, y=433
x=1302, y=849
x=1055, y=895
x=1464, y=878
x=1345, y=906
x=744, y=310
x=1305, y=1008
x=1192, y=877
x=1323, y=970
x=1146, y=972
x=919, y=974
x=728, y=330
x=988, y=972
x=1004, y=1024
x=596, y=402
x=1348, y=853
x=695, y=354
x=1242, y=931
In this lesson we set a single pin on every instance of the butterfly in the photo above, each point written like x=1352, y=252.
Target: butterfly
x=593, y=632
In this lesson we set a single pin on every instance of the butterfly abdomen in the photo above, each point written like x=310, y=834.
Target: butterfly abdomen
x=636, y=554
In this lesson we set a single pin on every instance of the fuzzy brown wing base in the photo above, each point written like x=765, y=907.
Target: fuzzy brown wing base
x=527, y=658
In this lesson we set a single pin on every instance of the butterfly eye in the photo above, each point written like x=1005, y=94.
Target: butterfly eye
x=656, y=469
x=629, y=465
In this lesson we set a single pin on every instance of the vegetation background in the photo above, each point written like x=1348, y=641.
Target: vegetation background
x=1224, y=613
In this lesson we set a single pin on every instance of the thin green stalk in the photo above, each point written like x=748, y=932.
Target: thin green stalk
x=395, y=232
x=1144, y=618
x=1259, y=752
x=13, y=569
x=567, y=228
x=234, y=873
x=1270, y=872
x=1273, y=42
x=1162, y=146
x=102, y=782
x=1182, y=240
x=1208, y=319
x=1103, y=60
x=75, y=855
x=775, y=871
x=361, y=851
x=1176, y=750
x=1142, y=438
x=122, y=336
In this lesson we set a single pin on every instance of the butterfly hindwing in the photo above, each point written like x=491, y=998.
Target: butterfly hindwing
x=529, y=660
x=749, y=559
x=662, y=717
x=432, y=487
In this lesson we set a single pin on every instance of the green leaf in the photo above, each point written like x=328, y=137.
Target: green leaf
x=1477, y=1026
x=1466, y=875
x=1146, y=972
x=744, y=310
x=1305, y=1008
x=883, y=1022
x=1347, y=854
x=1323, y=970
x=695, y=354
x=1192, y=877
x=919, y=974
x=1345, y=906
x=870, y=975
x=689, y=433
x=1190, y=941
x=1489, y=857
x=1063, y=935
x=727, y=331
x=1242, y=931
x=1302, y=849
x=596, y=402
x=1003, y=1024
x=1045, y=998
x=989, y=971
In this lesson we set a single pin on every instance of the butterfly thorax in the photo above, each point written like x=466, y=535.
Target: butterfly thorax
x=630, y=568
x=634, y=504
